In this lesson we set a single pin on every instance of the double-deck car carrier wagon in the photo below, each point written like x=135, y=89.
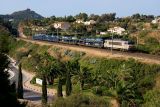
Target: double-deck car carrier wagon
x=92, y=42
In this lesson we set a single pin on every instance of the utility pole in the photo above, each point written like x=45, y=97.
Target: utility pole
x=137, y=40
x=112, y=45
x=57, y=31
x=76, y=30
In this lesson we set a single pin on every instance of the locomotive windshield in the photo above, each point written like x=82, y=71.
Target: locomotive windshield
x=130, y=43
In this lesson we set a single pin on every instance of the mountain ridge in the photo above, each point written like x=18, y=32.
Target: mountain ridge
x=22, y=15
x=16, y=17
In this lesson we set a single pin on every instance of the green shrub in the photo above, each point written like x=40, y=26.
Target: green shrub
x=151, y=41
x=33, y=81
x=152, y=99
x=66, y=52
x=99, y=90
x=81, y=100
x=143, y=33
x=82, y=54
x=60, y=102
x=154, y=26
x=55, y=49
x=143, y=48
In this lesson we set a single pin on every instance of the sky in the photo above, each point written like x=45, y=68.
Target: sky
x=49, y=8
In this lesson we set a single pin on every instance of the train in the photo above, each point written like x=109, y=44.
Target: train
x=117, y=44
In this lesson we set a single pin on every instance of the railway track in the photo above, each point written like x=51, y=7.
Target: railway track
x=142, y=57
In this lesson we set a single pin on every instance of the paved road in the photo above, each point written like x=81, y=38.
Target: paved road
x=28, y=94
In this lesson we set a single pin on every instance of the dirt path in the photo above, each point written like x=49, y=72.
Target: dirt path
x=146, y=58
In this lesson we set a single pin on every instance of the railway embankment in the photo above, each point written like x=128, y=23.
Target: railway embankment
x=142, y=57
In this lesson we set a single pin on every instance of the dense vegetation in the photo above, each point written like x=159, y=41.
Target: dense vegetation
x=8, y=97
x=80, y=100
x=139, y=28
x=87, y=81
x=103, y=23
x=129, y=82
x=7, y=91
x=149, y=42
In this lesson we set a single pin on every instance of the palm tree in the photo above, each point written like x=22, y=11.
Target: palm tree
x=83, y=75
x=60, y=68
x=59, y=90
x=82, y=72
x=44, y=90
x=120, y=87
x=45, y=67
x=68, y=78
x=58, y=71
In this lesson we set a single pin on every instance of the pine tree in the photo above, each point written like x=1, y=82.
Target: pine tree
x=20, y=83
x=44, y=90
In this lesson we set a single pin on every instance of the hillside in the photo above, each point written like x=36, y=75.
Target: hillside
x=26, y=14
x=22, y=15
x=122, y=81
x=136, y=28
x=18, y=16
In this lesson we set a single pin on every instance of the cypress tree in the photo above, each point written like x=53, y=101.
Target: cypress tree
x=44, y=90
x=20, y=83
x=59, y=91
x=8, y=96
x=68, y=84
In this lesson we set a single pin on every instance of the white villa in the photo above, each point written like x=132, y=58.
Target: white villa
x=117, y=30
x=62, y=25
x=103, y=33
x=79, y=21
x=90, y=22
x=156, y=20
